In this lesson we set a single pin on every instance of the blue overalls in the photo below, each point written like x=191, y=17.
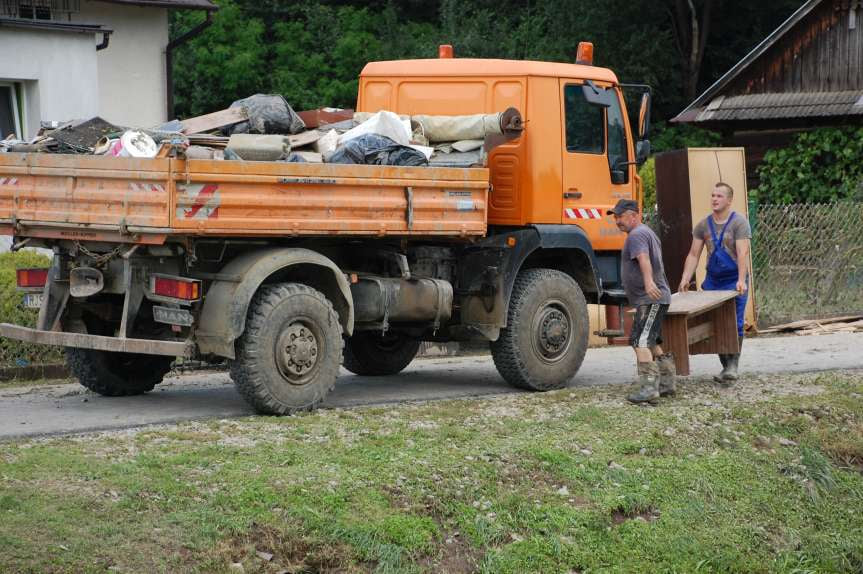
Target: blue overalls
x=722, y=272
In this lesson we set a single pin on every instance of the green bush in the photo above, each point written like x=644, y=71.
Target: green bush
x=647, y=173
x=819, y=166
x=14, y=352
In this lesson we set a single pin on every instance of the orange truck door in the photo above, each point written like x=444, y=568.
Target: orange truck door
x=594, y=140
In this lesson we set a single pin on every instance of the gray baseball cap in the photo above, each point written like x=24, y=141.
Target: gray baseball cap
x=623, y=205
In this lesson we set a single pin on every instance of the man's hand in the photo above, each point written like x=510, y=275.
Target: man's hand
x=652, y=291
x=684, y=286
x=741, y=287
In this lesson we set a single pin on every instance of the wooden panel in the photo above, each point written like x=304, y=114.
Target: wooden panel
x=700, y=332
x=675, y=211
x=675, y=340
x=724, y=332
x=706, y=167
x=697, y=302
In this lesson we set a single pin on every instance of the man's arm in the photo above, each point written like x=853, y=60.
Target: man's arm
x=742, y=247
x=691, y=263
x=647, y=273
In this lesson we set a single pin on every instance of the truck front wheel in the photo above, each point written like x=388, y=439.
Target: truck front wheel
x=288, y=358
x=370, y=353
x=547, y=331
x=117, y=374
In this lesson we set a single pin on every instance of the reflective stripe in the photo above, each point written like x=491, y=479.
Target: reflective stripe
x=648, y=325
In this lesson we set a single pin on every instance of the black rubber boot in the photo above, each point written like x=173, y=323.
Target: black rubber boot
x=648, y=384
x=729, y=373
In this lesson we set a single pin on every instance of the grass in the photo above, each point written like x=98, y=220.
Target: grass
x=764, y=478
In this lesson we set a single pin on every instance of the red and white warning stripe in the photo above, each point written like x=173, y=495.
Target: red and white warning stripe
x=146, y=187
x=8, y=181
x=198, y=201
x=582, y=213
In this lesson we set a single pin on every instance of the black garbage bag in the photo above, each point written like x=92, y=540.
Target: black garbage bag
x=373, y=149
x=268, y=114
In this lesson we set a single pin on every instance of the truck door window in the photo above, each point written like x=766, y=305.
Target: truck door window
x=617, y=139
x=585, y=124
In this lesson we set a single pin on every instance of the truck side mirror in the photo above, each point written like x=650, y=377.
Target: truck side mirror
x=642, y=151
x=644, y=116
x=597, y=96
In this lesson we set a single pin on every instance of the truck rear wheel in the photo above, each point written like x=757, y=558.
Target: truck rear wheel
x=370, y=353
x=547, y=331
x=289, y=355
x=117, y=374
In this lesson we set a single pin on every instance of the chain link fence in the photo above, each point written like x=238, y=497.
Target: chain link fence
x=807, y=261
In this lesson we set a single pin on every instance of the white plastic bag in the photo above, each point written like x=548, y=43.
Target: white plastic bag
x=385, y=124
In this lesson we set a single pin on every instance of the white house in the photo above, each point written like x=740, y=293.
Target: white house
x=75, y=59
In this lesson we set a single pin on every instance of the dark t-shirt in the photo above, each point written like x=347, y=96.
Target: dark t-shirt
x=640, y=240
x=738, y=228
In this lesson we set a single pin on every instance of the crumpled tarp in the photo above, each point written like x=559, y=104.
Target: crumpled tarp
x=455, y=128
x=268, y=114
x=373, y=149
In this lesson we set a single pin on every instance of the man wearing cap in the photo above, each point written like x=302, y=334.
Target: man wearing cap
x=646, y=287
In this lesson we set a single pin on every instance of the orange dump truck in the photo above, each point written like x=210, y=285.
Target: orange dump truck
x=291, y=270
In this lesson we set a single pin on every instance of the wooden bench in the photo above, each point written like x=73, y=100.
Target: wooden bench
x=700, y=323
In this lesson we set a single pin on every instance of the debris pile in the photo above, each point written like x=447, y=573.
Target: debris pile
x=264, y=127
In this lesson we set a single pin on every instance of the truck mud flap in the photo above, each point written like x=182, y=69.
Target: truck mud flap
x=100, y=343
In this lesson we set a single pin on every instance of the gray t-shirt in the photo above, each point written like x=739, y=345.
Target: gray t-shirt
x=738, y=228
x=640, y=240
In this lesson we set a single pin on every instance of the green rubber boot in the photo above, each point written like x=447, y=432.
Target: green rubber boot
x=667, y=375
x=647, y=390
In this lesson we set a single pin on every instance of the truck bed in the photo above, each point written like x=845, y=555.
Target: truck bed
x=145, y=200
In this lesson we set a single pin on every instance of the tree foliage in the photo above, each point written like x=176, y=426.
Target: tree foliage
x=819, y=166
x=312, y=51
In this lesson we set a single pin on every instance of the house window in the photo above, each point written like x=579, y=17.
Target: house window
x=585, y=124
x=10, y=119
x=39, y=9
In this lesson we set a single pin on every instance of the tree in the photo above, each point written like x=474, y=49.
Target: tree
x=690, y=23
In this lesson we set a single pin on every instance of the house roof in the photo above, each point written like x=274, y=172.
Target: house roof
x=691, y=113
x=780, y=106
x=178, y=4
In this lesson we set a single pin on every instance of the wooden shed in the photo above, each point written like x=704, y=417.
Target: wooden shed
x=808, y=73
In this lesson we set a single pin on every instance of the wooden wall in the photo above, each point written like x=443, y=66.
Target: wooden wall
x=823, y=52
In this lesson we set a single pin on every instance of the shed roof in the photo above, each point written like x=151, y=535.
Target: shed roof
x=778, y=106
x=178, y=4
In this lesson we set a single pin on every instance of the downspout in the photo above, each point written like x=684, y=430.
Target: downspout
x=169, y=58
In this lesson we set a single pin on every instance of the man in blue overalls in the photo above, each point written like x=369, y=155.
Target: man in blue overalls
x=727, y=236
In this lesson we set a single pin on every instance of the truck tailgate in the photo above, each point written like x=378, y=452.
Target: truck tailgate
x=84, y=191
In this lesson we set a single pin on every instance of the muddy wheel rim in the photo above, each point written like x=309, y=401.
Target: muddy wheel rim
x=297, y=352
x=552, y=331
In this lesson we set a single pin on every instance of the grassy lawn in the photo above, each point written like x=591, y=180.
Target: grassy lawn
x=764, y=478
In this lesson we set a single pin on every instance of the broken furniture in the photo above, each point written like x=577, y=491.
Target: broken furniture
x=700, y=323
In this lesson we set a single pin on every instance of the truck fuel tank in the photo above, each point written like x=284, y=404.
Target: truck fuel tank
x=390, y=299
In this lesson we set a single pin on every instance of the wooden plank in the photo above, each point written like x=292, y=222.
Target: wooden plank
x=324, y=116
x=215, y=120
x=675, y=340
x=696, y=302
x=806, y=323
x=303, y=139
x=700, y=332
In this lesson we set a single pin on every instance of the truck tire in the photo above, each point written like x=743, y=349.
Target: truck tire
x=547, y=331
x=371, y=354
x=117, y=374
x=288, y=358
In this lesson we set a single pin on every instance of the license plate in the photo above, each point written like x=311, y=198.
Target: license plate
x=172, y=316
x=33, y=300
